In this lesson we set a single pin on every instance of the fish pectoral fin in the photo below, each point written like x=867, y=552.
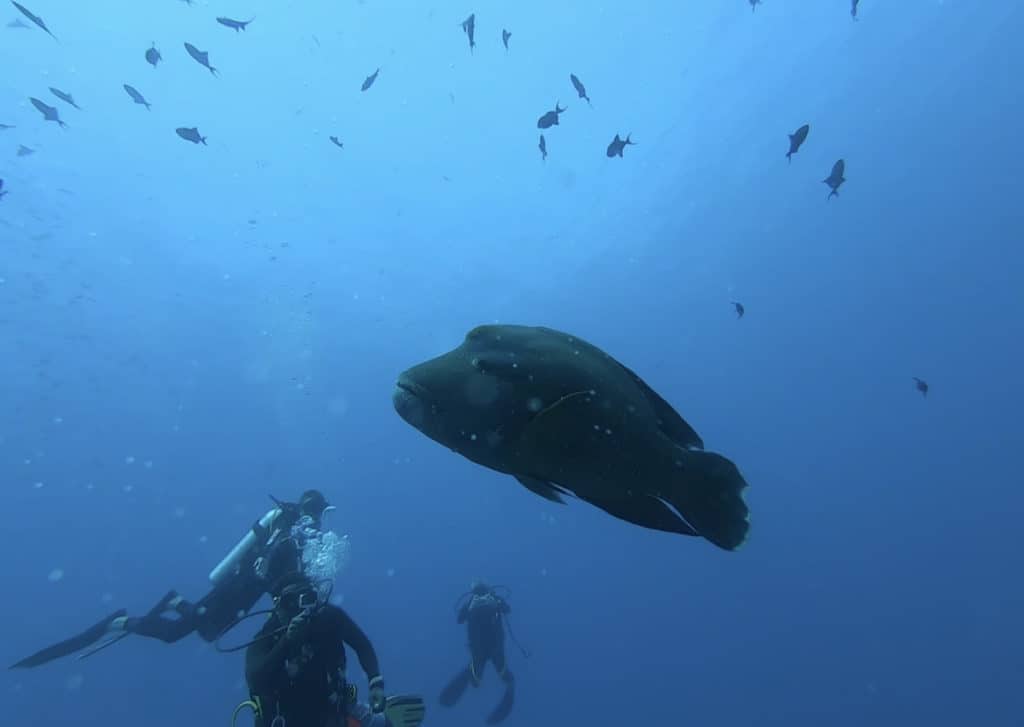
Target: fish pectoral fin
x=543, y=488
x=564, y=431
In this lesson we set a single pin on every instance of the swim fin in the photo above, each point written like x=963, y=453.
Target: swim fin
x=504, y=708
x=404, y=710
x=69, y=646
x=456, y=687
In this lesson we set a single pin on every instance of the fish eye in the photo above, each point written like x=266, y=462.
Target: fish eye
x=497, y=367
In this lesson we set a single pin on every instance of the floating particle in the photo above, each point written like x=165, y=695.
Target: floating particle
x=391, y=572
x=38, y=485
x=55, y=575
x=129, y=460
x=75, y=682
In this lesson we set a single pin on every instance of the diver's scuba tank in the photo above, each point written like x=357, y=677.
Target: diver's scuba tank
x=249, y=541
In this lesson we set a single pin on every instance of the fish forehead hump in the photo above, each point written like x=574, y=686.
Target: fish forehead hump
x=561, y=363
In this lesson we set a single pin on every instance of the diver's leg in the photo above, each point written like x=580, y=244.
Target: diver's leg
x=508, y=699
x=155, y=625
x=69, y=646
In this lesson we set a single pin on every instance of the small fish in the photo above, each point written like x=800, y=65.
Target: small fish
x=200, y=57
x=34, y=18
x=49, y=112
x=334, y=140
x=2, y=190
x=754, y=4
x=153, y=56
x=24, y=151
x=740, y=310
x=469, y=26
x=796, y=139
x=505, y=35
x=65, y=97
x=5, y=127
x=190, y=134
x=580, y=89
x=836, y=178
x=617, y=145
x=187, y=2
x=550, y=118
x=17, y=23
x=921, y=386
x=235, y=25
x=136, y=96
x=853, y=8
x=543, y=146
x=370, y=80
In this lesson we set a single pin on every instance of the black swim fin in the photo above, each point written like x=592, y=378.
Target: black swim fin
x=456, y=688
x=69, y=646
x=504, y=708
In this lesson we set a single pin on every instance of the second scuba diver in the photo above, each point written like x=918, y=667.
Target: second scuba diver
x=272, y=549
x=483, y=612
x=295, y=667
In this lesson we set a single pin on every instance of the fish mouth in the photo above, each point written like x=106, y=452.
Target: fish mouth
x=410, y=387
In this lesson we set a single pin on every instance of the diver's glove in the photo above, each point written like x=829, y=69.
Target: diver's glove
x=296, y=627
x=405, y=710
x=377, y=696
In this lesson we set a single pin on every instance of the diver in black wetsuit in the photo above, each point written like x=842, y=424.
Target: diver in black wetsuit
x=266, y=554
x=295, y=667
x=484, y=614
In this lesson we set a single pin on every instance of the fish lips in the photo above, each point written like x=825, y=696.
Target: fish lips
x=411, y=401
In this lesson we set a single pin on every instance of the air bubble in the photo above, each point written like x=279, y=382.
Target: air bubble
x=56, y=575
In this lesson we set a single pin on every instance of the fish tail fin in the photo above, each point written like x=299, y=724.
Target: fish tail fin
x=789, y=157
x=708, y=492
x=62, y=124
x=833, y=193
x=203, y=140
x=214, y=71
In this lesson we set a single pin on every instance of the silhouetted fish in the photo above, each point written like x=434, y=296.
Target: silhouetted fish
x=796, y=139
x=543, y=146
x=469, y=26
x=24, y=151
x=505, y=35
x=337, y=143
x=34, y=18
x=49, y=112
x=4, y=127
x=740, y=310
x=617, y=145
x=836, y=178
x=921, y=386
x=370, y=80
x=578, y=85
x=200, y=57
x=136, y=96
x=754, y=4
x=853, y=8
x=65, y=97
x=2, y=190
x=235, y=25
x=17, y=23
x=190, y=134
x=153, y=56
x=550, y=118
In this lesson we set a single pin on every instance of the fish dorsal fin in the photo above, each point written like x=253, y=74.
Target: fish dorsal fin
x=669, y=421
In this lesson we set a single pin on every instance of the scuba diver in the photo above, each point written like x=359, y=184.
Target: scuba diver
x=484, y=612
x=295, y=667
x=273, y=547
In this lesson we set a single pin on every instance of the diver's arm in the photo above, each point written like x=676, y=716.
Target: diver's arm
x=264, y=660
x=351, y=634
x=463, y=614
